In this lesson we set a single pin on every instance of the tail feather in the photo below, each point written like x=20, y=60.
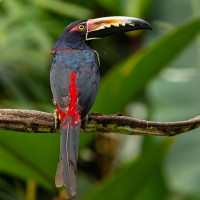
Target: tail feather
x=67, y=167
x=59, y=180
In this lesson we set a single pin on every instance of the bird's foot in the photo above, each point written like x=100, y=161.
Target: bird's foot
x=84, y=122
x=57, y=121
x=54, y=102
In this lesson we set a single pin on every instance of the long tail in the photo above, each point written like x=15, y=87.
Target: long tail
x=67, y=167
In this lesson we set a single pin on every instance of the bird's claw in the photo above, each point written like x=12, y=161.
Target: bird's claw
x=56, y=119
x=54, y=102
x=84, y=122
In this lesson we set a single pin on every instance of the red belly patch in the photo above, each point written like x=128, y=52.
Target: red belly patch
x=72, y=117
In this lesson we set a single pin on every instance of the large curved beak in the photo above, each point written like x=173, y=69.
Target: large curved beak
x=101, y=27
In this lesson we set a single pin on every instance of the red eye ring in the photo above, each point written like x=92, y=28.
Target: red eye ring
x=79, y=27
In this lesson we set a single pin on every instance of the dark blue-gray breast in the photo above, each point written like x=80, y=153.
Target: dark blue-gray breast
x=84, y=64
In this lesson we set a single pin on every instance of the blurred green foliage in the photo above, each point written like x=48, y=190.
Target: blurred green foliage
x=155, y=75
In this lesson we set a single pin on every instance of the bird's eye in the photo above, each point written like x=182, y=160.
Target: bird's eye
x=81, y=27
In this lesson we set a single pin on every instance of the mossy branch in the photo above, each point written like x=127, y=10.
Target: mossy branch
x=32, y=121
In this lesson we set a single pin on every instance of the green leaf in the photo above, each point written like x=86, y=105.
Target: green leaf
x=112, y=6
x=154, y=188
x=136, y=179
x=127, y=79
x=140, y=8
x=174, y=97
x=33, y=156
x=65, y=8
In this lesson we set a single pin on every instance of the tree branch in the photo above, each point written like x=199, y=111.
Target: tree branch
x=32, y=121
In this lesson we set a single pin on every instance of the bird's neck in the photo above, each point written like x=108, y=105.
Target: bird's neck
x=65, y=43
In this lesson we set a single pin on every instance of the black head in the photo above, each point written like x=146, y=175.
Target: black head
x=73, y=37
x=78, y=34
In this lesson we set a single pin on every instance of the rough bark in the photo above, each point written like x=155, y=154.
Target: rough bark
x=32, y=121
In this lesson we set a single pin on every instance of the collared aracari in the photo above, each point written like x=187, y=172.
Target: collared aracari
x=74, y=82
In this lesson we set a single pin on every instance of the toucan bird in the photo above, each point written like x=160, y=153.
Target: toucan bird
x=74, y=80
